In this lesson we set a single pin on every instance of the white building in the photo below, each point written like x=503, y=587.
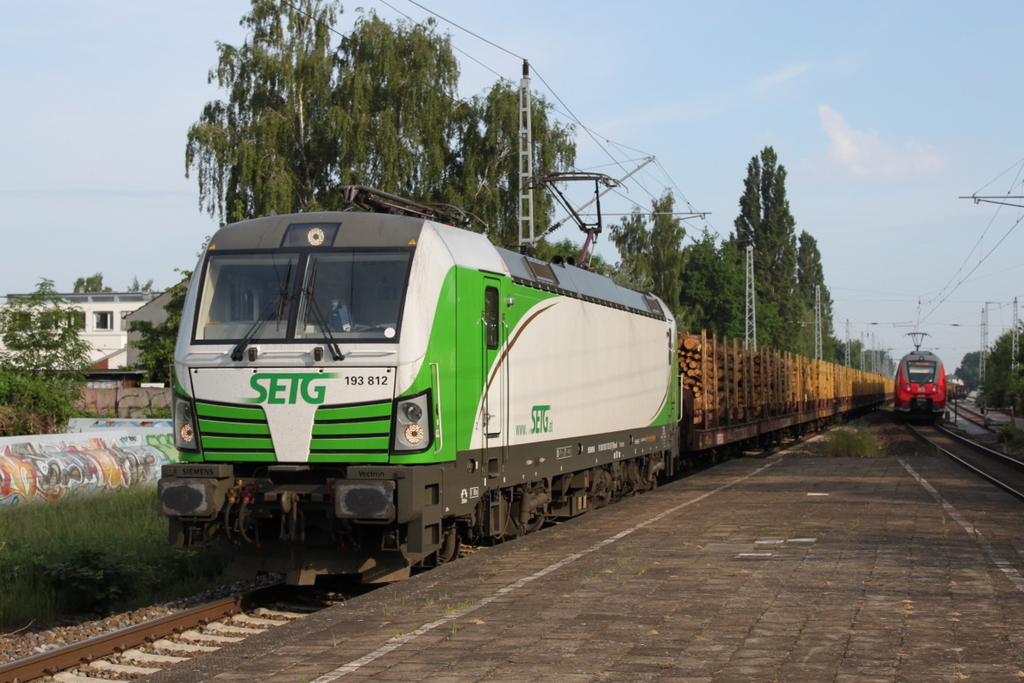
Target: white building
x=106, y=327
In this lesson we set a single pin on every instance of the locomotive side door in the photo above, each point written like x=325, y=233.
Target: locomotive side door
x=495, y=373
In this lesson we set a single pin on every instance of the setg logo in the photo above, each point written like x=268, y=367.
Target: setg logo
x=288, y=387
x=541, y=421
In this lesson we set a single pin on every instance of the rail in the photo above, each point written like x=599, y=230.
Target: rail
x=997, y=468
x=49, y=663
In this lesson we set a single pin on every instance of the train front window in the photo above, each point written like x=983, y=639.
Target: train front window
x=353, y=295
x=920, y=371
x=246, y=295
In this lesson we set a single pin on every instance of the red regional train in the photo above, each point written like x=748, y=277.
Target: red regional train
x=920, y=387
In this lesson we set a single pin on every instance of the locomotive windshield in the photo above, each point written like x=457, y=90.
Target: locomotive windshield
x=920, y=371
x=344, y=295
x=353, y=295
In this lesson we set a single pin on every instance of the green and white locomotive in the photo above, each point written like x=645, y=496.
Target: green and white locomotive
x=359, y=393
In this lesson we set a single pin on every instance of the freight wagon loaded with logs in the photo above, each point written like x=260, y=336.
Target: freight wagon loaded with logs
x=737, y=398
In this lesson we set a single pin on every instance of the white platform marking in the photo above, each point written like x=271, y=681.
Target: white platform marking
x=1004, y=566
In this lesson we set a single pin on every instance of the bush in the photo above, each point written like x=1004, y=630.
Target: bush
x=31, y=403
x=91, y=579
x=43, y=362
x=88, y=556
x=1012, y=436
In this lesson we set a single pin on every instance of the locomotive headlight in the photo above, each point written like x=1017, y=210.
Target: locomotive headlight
x=412, y=424
x=184, y=425
x=412, y=412
x=414, y=433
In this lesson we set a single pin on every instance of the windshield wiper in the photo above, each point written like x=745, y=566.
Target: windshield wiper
x=311, y=305
x=281, y=300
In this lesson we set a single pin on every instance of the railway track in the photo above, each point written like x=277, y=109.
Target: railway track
x=973, y=417
x=998, y=468
x=146, y=648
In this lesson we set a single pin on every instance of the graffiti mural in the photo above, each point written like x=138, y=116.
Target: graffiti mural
x=48, y=468
x=91, y=424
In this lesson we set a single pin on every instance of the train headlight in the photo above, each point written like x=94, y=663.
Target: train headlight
x=412, y=424
x=184, y=425
x=412, y=412
x=413, y=433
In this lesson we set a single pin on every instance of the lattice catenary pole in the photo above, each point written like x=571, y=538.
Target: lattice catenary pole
x=847, y=342
x=1015, y=349
x=817, y=322
x=751, y=327
x=984, y=344
x=526, y=236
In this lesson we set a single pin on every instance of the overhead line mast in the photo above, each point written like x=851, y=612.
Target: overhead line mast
x=751, y=326
x=526, y=235
x=1014, y=348
x=817, y=322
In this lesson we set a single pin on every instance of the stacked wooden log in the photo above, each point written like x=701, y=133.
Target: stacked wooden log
x=691, y=348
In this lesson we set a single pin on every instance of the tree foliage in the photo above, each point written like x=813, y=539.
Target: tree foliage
x=811, y=274
x=1002, y=387
x=156, y=343
x=766, y=222
x=484, y=170
x=651, y=249
x=43, y=364
x=274, y=144
x=137, y=286
x=396, y=85
x=970, y=369
x=379, y=108
x=714, y=287
x=93, y=283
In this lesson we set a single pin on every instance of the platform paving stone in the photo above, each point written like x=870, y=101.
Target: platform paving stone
x=751, y=580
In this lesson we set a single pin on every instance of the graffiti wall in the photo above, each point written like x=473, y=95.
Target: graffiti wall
x=133, y=402
x=52, y=467
x=91, y=424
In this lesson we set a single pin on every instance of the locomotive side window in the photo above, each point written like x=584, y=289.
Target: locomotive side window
x=491, y=316
x=920, y=372
x=246, y=294
x=353, y=294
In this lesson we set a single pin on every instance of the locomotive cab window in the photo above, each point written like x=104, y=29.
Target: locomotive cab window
x=491, y=316
x=350, y=295
x=920, y=372
x=246, y=294
x=353, y=295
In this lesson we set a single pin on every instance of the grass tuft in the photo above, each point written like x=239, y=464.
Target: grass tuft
x=852, y=443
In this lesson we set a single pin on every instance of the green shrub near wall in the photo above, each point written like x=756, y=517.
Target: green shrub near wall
x=89, y=556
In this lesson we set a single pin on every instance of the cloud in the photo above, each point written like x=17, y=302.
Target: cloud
x=767, y=83
x=865, y=155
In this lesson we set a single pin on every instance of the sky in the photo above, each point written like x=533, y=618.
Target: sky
x=884, y=115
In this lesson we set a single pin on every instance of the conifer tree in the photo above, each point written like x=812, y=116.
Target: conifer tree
x=766, y=222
